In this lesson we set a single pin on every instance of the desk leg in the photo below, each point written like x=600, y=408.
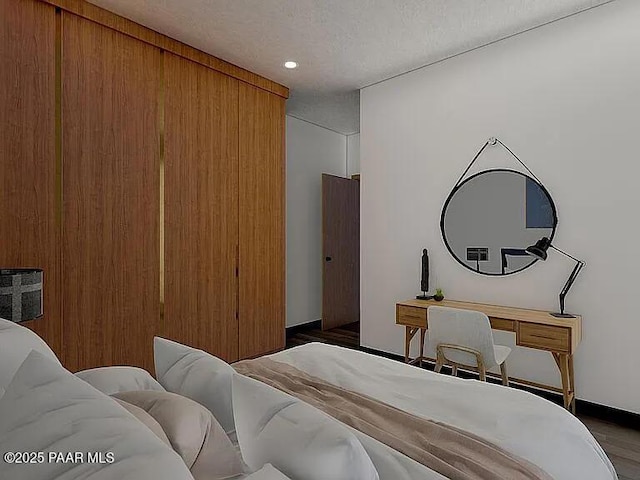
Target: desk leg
x=565, y=364
x=423, y=332
x=409, y=333
x=407, y=343
x=572, y=378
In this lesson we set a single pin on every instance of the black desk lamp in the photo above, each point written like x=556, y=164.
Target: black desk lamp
x=539, y=250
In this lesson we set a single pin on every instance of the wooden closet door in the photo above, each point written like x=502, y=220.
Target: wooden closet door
x=262, y=222
x=111, y=196
x=29, y=199
x=201, y=207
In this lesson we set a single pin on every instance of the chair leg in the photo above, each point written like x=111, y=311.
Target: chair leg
x=505, y=377
x=482, y=371
x=439, y=361
x=454, y=370
x=438, y=366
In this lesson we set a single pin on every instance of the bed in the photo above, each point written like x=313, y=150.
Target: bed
x=522, y=423
x=267, y=425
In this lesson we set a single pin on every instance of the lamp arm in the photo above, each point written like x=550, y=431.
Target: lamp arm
x=567, y=286
x=565, y=254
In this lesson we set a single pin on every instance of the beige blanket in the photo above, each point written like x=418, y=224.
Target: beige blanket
x=454, y=453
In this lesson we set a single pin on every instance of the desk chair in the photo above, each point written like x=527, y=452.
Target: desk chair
x=463, y=338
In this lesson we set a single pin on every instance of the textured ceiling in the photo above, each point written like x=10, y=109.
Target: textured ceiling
x=341, y=45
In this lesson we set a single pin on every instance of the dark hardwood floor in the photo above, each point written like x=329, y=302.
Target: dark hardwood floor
x=621, y=444
x=347, y=336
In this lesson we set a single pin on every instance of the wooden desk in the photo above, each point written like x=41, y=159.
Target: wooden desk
x=533, y=328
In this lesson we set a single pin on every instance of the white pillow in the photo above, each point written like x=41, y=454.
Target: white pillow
x=150, y=422
x=298, y=439
x=16, y=342
x=197, y=375
x=110, y=380
x=268, y=472
x=192, y=431
x=47, y=409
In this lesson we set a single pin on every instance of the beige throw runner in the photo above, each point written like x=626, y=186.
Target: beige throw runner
x=452, y=452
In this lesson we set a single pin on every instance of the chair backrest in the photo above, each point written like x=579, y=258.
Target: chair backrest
x=465, y=328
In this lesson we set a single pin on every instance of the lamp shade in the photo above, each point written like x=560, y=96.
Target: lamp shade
x=20, y=294
x=539, y=250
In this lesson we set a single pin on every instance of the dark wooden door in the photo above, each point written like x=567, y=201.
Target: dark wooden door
x=340, y=251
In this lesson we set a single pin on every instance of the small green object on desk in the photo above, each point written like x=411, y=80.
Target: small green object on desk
x=439, y=296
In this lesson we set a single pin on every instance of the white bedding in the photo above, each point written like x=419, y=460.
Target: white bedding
x=521, y=423
x=296, y=438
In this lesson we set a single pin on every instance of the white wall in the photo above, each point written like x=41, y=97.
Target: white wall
x=311, y=151
x=353, y=154
x=566, y=99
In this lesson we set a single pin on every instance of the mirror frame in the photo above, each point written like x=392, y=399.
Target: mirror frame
x=459, y=185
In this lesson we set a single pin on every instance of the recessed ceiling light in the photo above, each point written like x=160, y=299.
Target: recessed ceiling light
x=290, y=64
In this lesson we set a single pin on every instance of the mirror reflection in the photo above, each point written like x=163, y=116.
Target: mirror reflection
x=491, y=217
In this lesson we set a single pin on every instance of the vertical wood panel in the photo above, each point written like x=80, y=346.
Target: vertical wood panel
x=261, y=227
x=111, y=196
x=29, y=232
x=201, y=207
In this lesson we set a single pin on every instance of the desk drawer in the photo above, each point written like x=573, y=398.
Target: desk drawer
x=413, y=316
x=502, y=324
x=545, y=337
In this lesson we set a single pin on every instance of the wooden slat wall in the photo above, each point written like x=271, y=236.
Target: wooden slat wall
x=201, y=207
x=138, y=172
x=29, y=231
x=111, y=196
x=262, y=227
x=96, y=14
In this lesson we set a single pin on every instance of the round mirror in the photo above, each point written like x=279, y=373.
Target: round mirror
x=491, y=217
